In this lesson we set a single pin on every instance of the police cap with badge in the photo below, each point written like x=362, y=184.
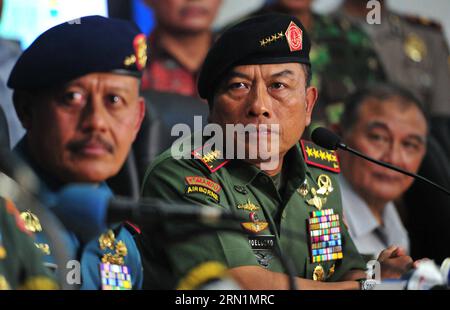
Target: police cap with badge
x=266, y=39
x=73, y=49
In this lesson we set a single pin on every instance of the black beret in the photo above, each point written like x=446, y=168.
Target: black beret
x=266, y=39
x=73, y=49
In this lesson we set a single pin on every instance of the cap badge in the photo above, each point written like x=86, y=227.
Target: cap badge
x=140, y=53
x=294, y=36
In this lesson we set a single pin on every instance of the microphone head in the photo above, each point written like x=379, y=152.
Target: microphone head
x=325, y=138
x=82, y=209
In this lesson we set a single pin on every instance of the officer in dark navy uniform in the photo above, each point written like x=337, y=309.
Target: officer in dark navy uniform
x=76, y=92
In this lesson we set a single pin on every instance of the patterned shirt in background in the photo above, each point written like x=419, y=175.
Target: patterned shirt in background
x=165, y=73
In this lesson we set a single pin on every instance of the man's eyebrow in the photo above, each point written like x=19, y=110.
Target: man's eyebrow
x=420, y=139
x=378, y=124
x=233, y=74
x=283, y=73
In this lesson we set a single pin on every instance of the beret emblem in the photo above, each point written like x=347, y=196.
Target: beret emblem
x=294, y=36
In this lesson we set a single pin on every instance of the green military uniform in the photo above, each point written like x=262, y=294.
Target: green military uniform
x=343, y=59
x=414, y=54
x=20, y=261
x=275, y=212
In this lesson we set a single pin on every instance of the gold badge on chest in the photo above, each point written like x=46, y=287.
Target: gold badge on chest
x=108, y=242
x=316, y=197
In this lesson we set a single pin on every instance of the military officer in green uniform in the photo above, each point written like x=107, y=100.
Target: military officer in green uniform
x=20, y=261
x=414, y=54
x=257, y=73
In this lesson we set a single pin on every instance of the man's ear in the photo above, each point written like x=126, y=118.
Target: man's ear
x=22, y=103
x=142, y=109
x=310, y=101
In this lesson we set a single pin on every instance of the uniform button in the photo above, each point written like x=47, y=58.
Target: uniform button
x=241, y=189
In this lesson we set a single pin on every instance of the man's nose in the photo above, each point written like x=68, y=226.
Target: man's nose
x=259, y=104
x=394, y=155
x=94, y=115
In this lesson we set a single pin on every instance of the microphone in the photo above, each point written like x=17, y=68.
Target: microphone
x=329, y=140
x=87, y=210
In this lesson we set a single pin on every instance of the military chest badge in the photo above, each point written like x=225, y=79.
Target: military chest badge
x=303, y=190
x=248, y=206
x=319, y=157
x=317, y=197
x=325, y=236
x=262, y=246
x=318, y=273
x=256, y=225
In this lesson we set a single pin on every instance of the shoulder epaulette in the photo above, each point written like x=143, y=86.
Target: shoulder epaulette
x=423, y=21
x=213, y=160
x=319, y=157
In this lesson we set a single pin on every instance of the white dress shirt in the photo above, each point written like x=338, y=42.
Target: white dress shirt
x=369, y=236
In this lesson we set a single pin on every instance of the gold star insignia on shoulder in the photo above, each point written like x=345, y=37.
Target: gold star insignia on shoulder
x=212, y=160
x=32, y=222
x=319, y=157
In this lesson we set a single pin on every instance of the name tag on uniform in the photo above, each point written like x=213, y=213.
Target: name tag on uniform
x=115, y=277
x=325, y=236
x=262, y=247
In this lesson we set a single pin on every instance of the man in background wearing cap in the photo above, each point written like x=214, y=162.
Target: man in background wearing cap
x=258, y=73
x=76, y=92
